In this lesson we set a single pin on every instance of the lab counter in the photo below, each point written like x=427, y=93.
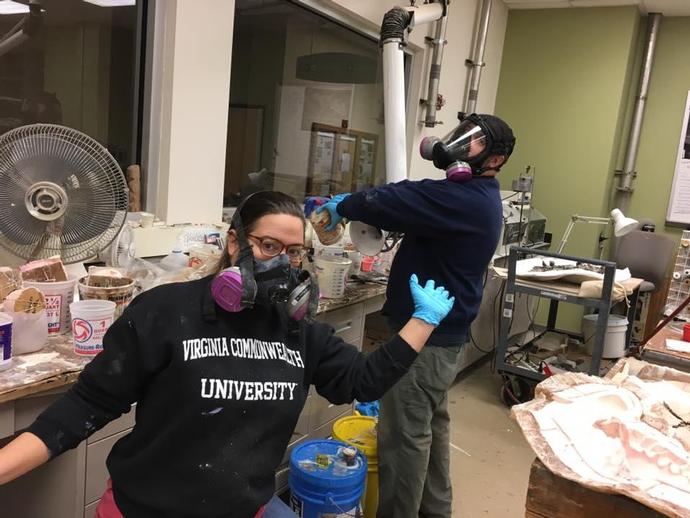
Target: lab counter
x=70, y=486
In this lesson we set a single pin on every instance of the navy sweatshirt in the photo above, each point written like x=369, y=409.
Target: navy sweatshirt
x=218, y=396
x=451, y=232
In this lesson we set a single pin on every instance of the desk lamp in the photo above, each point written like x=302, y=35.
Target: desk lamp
x=621, y=225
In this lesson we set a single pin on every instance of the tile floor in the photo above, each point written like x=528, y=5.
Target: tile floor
x=490, y=459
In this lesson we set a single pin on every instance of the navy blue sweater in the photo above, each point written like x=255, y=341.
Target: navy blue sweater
x=451, y=232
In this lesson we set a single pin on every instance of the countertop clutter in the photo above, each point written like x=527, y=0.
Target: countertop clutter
x=71, y=485
x=57, y=364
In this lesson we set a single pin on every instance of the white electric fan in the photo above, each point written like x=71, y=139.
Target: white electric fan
x=121, y=251
x=61, y=193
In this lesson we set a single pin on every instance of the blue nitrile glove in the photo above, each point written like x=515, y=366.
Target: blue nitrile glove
x=311, y=202
x=370, y=409
x=431, y=304
x=330, y=206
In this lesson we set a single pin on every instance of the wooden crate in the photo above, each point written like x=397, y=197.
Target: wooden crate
x=551, y=496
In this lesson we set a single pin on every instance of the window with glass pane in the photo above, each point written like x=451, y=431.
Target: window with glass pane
x=72, y=62
x=306, y=104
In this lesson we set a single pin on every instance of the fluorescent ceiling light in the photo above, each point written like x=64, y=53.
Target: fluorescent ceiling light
x=111, y=3
x=10, y=7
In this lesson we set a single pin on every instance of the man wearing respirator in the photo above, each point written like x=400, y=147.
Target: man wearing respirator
x=452, y=227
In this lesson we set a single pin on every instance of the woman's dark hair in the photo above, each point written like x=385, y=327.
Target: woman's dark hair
x=258, y=205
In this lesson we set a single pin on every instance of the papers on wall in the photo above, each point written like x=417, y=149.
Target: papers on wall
x=679, y=202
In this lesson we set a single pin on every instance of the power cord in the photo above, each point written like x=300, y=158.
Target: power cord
x=472, y=340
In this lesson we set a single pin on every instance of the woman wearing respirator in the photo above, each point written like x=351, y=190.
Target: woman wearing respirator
x=220, y=369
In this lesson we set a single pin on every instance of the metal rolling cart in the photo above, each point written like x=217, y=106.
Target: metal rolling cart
x=520, y=379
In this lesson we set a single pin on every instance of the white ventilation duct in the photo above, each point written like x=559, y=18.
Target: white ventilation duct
x=394, y=28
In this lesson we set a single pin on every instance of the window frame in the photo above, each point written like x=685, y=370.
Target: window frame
x=158, y=39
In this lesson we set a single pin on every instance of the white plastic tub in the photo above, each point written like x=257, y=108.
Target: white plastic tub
x=614, y=339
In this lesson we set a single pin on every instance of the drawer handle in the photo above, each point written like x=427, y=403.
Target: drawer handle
x=345, y=327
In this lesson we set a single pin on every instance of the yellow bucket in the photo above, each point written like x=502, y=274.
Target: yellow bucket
x=360, y=431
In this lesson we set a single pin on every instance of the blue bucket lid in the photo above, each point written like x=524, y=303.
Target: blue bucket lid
x=304, y=464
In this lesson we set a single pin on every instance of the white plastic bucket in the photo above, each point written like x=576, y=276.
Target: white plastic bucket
x=614, y=339
x=90, y=320
x=331, y=272
x=58, y=295
x=5, y=341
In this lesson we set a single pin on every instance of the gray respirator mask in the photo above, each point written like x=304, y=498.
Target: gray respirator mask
x=273, y=282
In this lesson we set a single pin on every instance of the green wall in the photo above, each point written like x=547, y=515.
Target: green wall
x=564, y=89
x=668, y=90
x=568, y=83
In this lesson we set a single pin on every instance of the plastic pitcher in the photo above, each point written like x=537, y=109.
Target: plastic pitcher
x=331, y=272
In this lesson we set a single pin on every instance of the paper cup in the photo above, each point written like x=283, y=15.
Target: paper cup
x=90, y=320
x=367, y=263
x=146, y=219
x=58, y=295
x=5, y=341
x=331, y=272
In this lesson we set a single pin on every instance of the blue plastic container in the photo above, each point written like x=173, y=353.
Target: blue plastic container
x=321, y=482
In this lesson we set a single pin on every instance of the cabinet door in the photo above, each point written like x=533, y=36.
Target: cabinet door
x=122, y=423
x=96, y=470
x=349, y=325
x=347, y=322
x=54, y=490
x=301, y=432
x=282, y=474
x=27, y=409
x=90, y=510
x=326, y=430
x=324, y=411
x=6, y=419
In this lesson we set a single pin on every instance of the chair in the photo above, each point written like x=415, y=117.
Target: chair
x=648, y=256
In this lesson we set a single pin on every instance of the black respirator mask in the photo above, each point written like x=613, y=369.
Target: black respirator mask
x=462, y=153
x=270, y=282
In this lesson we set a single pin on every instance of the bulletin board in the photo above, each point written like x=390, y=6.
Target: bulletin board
x=340, y=160
x=678, y=211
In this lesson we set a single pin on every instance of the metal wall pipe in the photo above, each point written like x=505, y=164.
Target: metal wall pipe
x=625, y=189
x=476, y=62
x=438, y=43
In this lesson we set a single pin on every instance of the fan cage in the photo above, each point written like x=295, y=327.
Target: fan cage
x=96, y=188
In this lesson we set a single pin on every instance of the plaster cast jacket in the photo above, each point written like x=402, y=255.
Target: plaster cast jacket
x=218, y=395
x=451, y=233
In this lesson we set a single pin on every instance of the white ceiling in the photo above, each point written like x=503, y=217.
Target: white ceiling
x=665, y=7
